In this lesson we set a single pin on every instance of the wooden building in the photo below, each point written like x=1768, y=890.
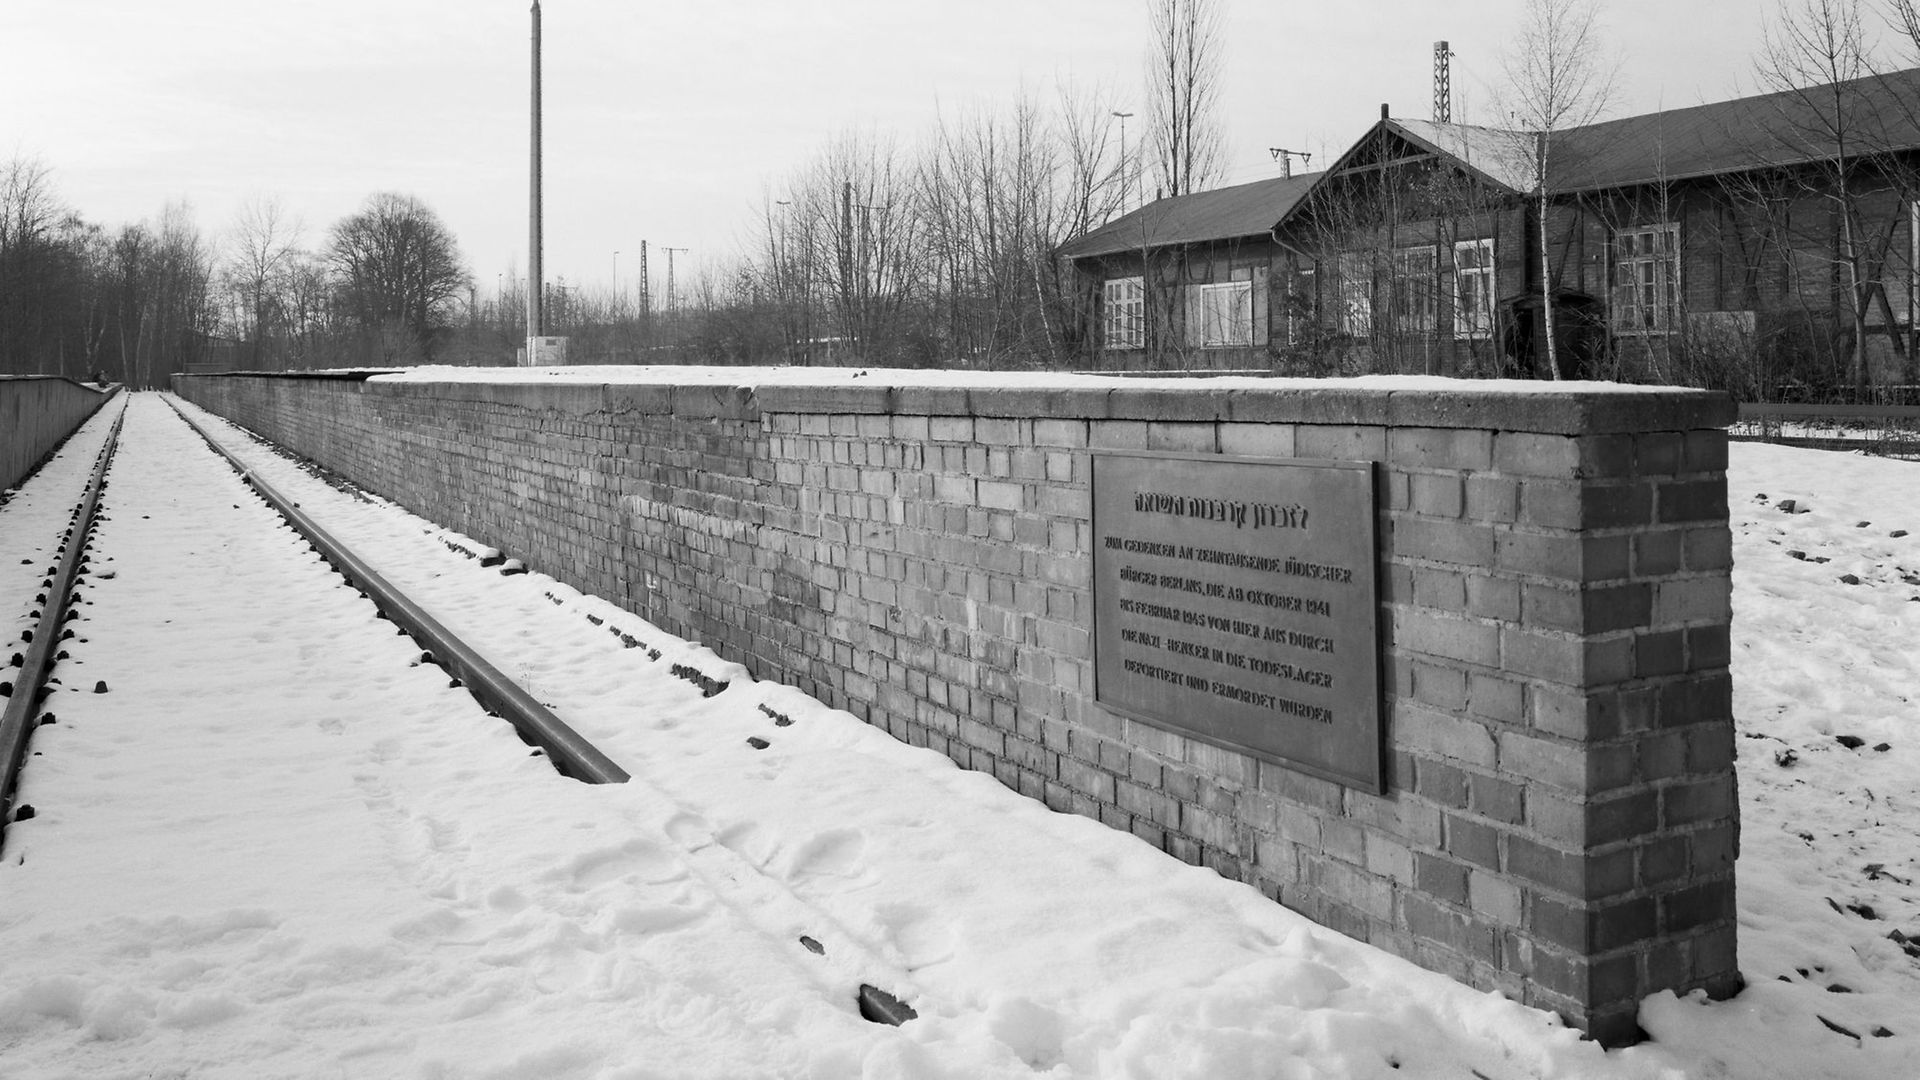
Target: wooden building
x=1767, y=245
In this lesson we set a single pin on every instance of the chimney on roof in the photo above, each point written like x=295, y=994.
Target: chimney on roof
x=1383, y=110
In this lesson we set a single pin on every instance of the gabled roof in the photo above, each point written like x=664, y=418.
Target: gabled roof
x=1500, y=155
x=1221, y=214
x=1877, y=114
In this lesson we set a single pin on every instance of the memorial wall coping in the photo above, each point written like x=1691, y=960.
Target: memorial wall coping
x=1544, y=408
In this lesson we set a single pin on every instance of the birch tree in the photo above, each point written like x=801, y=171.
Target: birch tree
x=1558, y=76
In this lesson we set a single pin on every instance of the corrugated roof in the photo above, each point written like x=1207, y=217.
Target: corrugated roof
x=1221, y=214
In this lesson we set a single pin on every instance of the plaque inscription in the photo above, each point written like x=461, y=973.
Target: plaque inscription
x=1234, y=602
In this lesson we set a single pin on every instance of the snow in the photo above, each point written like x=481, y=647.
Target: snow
x=281, y=846
x=947, y=378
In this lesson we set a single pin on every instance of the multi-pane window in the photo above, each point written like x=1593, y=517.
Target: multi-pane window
x=1220, y=315
x=1473, y=288
x=1646, y=279
x=1126, y=313
x=1413, y=289
x=1303, y=305
x=1354, y=305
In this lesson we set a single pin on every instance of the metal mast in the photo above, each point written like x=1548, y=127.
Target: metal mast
x=536, y=281
x=1442, y=84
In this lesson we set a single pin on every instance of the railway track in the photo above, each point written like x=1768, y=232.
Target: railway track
x=501, y=696
x=826, y=948
x=30, y=669
x=784, y=917
x=28, y=687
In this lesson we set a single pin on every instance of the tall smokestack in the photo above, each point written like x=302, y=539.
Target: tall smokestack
x=536, y=280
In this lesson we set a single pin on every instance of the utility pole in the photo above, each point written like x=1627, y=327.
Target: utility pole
x=846, y=238
x=646, y=299
x=783, y=278
x=866, y=245
x=1442, y=84
x=1124, y=170
x=1285, y=158
x=673, y=297
x=617, y=305
x=536, y=291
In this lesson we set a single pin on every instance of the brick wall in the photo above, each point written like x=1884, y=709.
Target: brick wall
x=36, y=413
x=1559, y=821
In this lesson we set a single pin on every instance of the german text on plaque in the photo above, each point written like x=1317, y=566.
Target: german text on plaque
x=1234, y=602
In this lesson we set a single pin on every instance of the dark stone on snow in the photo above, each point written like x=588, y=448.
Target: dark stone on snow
x=880, y=1007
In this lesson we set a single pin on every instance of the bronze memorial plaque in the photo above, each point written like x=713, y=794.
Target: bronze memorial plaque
x=1234, y=602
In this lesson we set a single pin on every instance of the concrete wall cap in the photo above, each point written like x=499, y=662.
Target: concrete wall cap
x=1566, y=408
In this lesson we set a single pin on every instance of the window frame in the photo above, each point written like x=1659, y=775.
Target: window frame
x=1124, y=317
x=1477, y=324
x=1237, y=313
x=1353, y=292
x=1645, y=314
x=1422, y=287
x=1303, y=304
x=1908, y=318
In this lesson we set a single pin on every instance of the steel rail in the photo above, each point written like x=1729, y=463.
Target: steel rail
x=570, y=753
x=21, y=713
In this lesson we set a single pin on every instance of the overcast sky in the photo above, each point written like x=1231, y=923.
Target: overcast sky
x=670, y=121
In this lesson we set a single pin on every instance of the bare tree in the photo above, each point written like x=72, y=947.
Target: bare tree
x=399, y=271
x=1817, y=58
x=1183, y=87
x=1558, y=77
x=31, y=263
x=261, y=251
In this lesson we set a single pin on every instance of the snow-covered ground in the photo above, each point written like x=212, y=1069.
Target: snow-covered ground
x=279, y=846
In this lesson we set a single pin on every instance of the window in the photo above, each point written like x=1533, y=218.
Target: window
x=1220, y=315
x=1303, y=307
x=1126, y=314
x=1646, y=279
x=1913, y=264
x=1473, y=288
x=1354, y=306
x=1413, y=290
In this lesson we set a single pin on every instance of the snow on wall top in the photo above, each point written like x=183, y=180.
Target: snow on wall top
x=947, y=378
x=1569, y=408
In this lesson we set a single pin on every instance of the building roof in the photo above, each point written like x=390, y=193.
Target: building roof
x=1221, y=214
x=1875, y=114
x=1501, y=155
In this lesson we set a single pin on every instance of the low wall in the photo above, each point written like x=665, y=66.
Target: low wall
x=36, y=412
x=1555, y=815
